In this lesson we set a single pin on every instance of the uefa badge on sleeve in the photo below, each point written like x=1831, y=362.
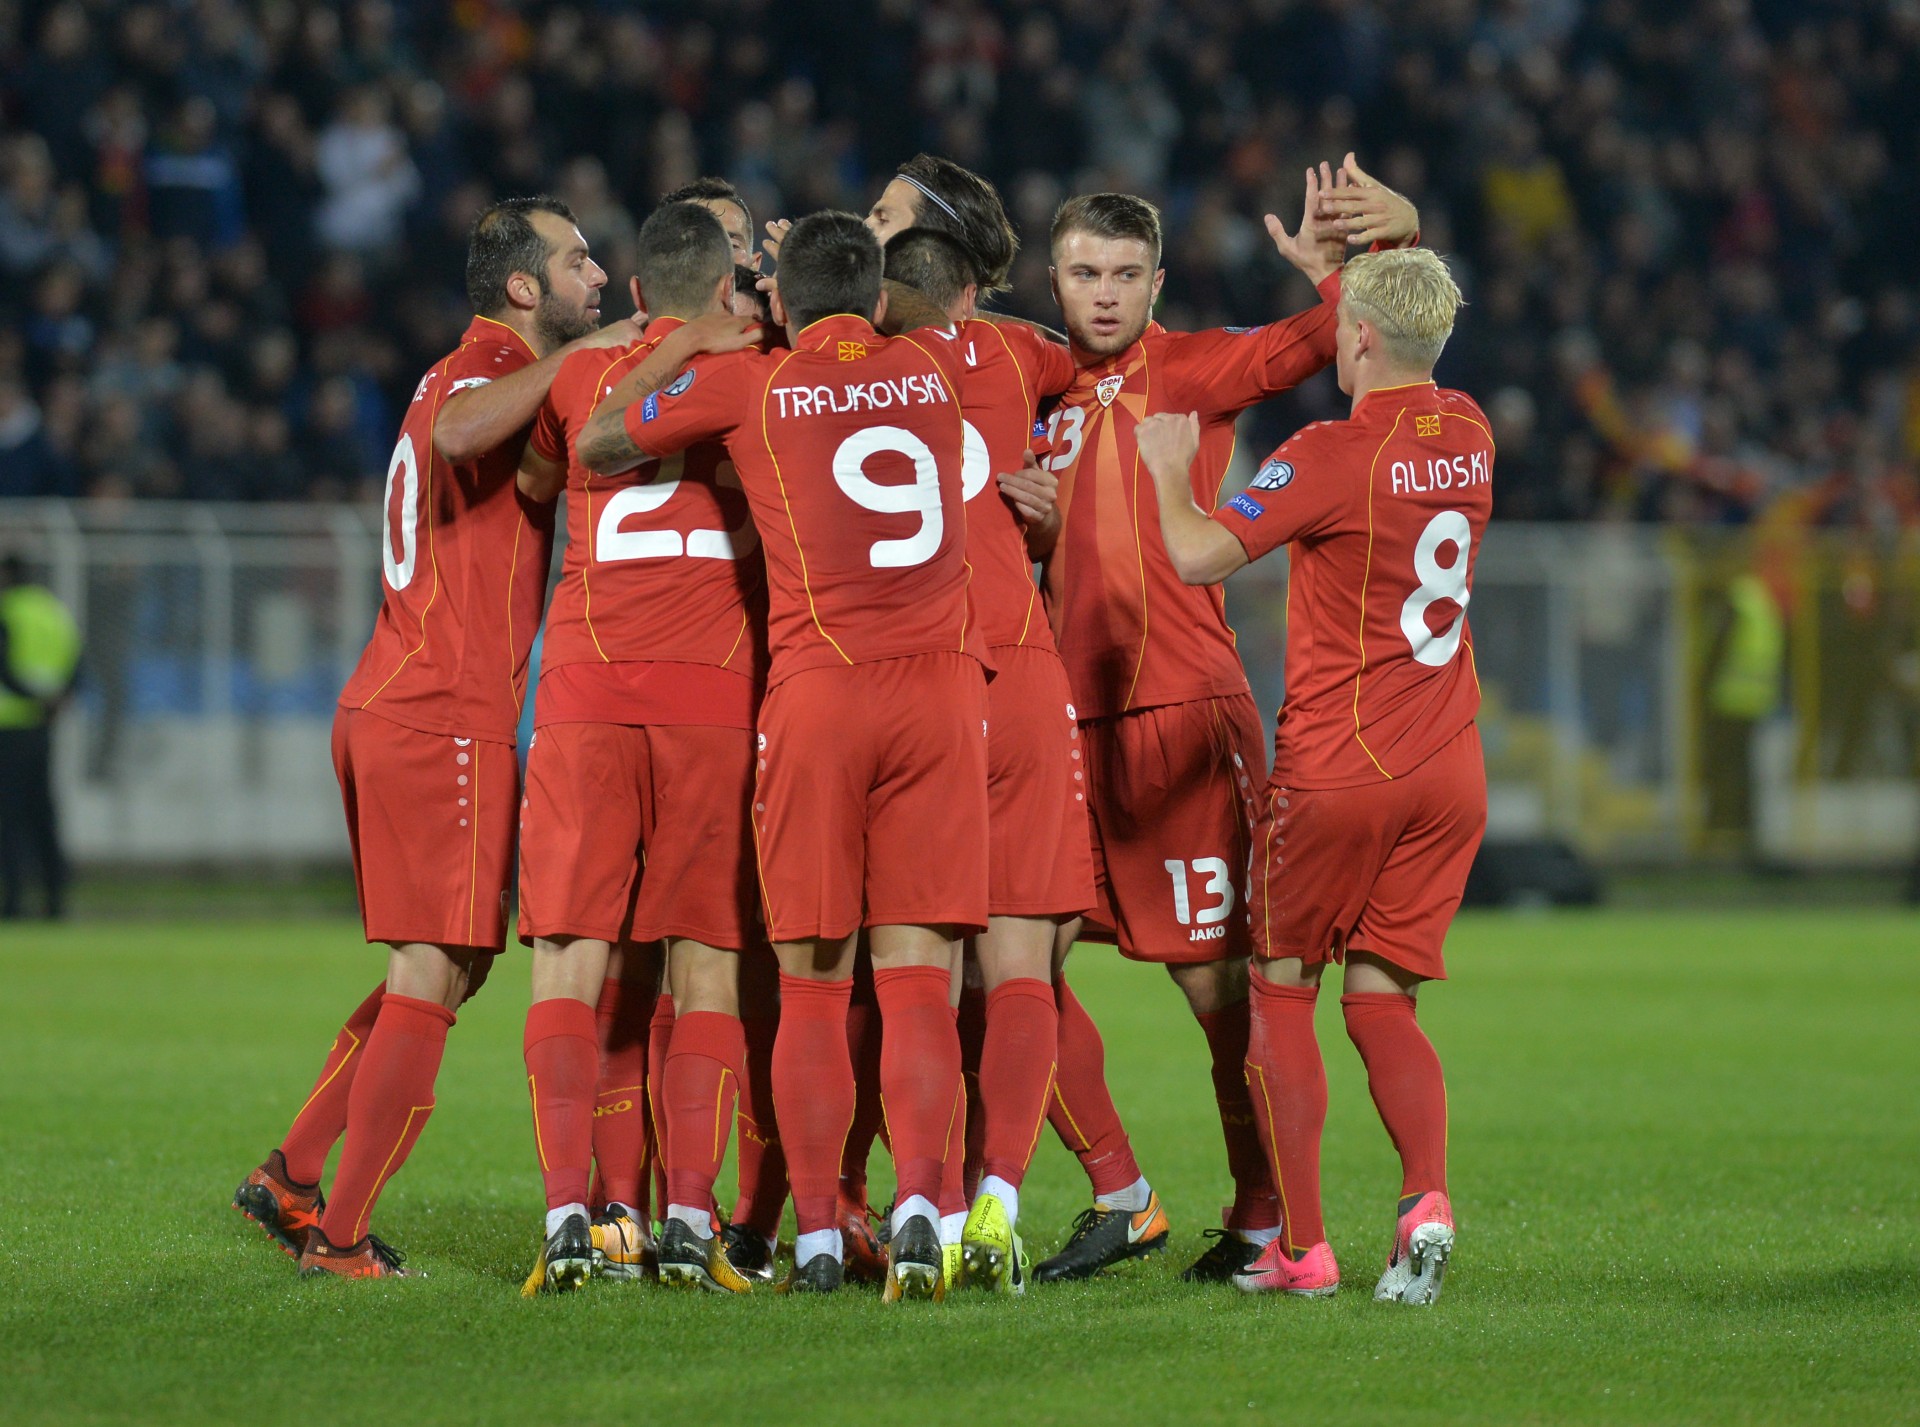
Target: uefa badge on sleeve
x=680, y=383
x=1274, y=475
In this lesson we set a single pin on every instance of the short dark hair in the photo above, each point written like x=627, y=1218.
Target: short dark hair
x=681, y=255
x=1108, y=215
x=964, y=205
x=710, y=190
x=504, y=242
x=829, y=264
x=746, y=280
x=935, y=264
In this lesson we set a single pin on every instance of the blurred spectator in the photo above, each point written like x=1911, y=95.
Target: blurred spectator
x=1683, y=230
x=39, y=652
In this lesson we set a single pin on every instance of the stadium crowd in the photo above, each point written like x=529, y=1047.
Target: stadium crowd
x=231, y=232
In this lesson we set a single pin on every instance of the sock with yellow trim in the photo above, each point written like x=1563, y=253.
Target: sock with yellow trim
x=323, y=1119
x=392, y=1097
x=1287, y=1083
x=563, y=1071
x=1403, y=1074
x=700, y=1093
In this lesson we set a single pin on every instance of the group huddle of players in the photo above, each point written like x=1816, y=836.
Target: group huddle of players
x=824, y=785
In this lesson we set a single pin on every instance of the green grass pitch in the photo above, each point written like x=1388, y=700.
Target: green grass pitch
x=1686, y=1165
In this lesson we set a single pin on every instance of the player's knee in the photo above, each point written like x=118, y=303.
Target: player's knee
x=1211, y=986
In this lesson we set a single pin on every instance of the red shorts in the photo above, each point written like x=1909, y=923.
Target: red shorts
x=430, y=818
x=1377, y=868
x=1173, y=791
x=872, y=803
x=1039, y=859
x=633, y=833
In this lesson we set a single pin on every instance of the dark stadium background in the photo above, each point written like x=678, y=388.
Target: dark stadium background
x=231, y=234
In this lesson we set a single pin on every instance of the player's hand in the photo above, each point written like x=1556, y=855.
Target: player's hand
x=1168, y=443
x=1315, y=252
x=718, y=332
x=1033, y=491
x=617, y=333
x=1368, y=211
x=777, y=230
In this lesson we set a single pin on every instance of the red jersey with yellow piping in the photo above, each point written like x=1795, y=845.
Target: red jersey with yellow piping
x=1385, y=512
x=464, y=562
x=1132, y=635
x=849, y=446
x=1009, y=367
x=662, y=565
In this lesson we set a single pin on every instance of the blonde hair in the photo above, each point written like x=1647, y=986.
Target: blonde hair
x=1408, y=297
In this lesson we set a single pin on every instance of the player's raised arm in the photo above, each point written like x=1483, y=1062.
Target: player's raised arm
x=1203, y=552
x=527, y=269
x=605, y=447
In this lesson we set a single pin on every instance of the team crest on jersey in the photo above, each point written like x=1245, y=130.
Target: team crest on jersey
x=853, y=351
x=1272, y=476
x=680, y=383
x=1426, y=426
x=1107, y=388
x=1247, y=506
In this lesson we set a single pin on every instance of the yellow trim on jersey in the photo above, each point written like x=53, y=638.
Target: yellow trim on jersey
x=1139, y=550
x=1365, y=579
x=433, y=560
x=586, y=490
x=513, y=569
x=966, y=615
x=806, y=580
x=514, y=332
x=1033, y=590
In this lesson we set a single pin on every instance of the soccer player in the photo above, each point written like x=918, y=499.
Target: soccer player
x=726, y=203
x=640, y=778
x=423, y=741
x=1379, y=795
x=871, y=804
x=1169, y=729
x=1040, y=863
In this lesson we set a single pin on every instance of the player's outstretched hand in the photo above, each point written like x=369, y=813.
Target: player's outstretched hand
x=1316, y=249
x=777, y=230
x=1168, y=443
x=1368, y=211
x=1032, y=490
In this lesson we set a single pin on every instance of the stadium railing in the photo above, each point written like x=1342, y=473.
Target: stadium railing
x=217, y=637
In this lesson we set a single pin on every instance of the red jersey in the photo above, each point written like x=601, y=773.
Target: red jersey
x=1132, y=635
x=849, y=446
x=464, y=561
x=1008, y=368
x=662, y=565
x=1385, y=512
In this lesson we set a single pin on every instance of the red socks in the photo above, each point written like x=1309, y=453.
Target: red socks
x=1016, y=1071
x=973, y=1038
x=762, y=1162
x=323, y=1119
x=1288, y=1082
x=702, y=1086
x=1256, y=1204
x=563, y=1068
x=620, y=1100
x=813, y=1088
x=1403, y=1073
x=1081, y=1111
x=869, y=1116
x=659, y=1046
x=919, y=1075
x=392, y=1097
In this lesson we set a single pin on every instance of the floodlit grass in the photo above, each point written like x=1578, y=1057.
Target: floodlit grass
x=1686, y=1165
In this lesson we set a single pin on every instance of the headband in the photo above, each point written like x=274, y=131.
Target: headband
x=945, y=207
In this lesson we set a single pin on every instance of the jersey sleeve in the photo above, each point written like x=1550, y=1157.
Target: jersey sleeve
x=1229, y=369
x=1048, y=366
x=703, y=403
x=1299, y=491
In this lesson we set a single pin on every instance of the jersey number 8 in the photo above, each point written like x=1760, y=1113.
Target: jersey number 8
x=1438, y=582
